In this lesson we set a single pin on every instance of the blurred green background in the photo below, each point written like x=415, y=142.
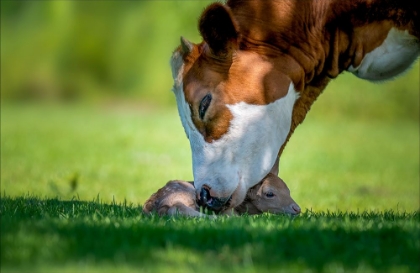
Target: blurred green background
x=86, y=109
x=79, y=50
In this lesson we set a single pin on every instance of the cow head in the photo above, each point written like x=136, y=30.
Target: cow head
x=235, y=107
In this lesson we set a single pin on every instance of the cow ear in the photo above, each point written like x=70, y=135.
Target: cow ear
x=219, y=29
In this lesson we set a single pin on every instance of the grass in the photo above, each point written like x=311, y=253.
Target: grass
x=73, y=178
x=109, y=151
x=80, y=236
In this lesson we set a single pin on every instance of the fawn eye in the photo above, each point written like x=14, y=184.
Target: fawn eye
x=204, y=104
x=269, y=194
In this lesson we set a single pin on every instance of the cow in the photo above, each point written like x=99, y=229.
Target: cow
x=244, y=89
x=178, y=197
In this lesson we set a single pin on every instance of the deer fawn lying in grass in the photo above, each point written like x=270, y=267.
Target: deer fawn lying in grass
x=179, y=198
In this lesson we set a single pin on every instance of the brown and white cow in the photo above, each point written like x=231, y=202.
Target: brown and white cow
x=244, y=89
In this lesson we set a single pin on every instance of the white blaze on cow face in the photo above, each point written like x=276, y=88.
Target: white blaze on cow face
x=245, y=154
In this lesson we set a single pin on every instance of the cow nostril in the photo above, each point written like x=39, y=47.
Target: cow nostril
x=204, y=195
x=213, y=203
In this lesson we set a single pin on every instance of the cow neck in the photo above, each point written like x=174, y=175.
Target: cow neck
x=333, y=37
x=309, y=88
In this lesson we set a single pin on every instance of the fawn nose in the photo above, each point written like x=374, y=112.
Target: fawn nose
x=295, y=209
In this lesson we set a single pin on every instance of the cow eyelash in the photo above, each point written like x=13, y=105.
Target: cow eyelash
x=204, y=104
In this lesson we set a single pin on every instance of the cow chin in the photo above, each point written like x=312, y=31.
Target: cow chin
x=238, y=196
x=230, y=182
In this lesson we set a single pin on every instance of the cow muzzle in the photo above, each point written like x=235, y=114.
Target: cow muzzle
x=212, y=203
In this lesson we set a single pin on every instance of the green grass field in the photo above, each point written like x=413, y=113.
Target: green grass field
x=74, y=176
x=79, y=236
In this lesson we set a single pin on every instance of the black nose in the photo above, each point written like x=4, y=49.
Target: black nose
x=213, y=203
x=204, y=196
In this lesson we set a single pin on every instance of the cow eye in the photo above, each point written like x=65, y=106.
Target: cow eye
x=269, y=194
x=204, y=104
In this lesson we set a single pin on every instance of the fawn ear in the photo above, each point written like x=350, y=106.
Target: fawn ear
x=186, y=46
x=219, y=29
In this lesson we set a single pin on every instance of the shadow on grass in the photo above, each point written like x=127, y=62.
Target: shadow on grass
x=53, y=232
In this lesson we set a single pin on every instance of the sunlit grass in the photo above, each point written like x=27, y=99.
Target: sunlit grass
x=41, y=235
x=116, y=152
